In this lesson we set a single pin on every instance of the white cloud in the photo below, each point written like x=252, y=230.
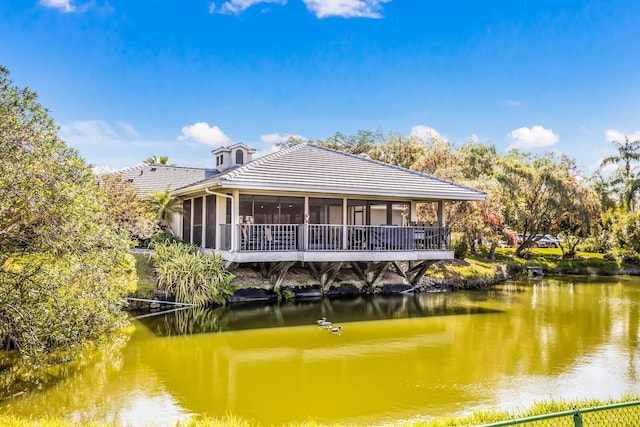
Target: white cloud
x=275, y=138
x=235, y=7
x=534, y=137
x=425, y=132
x=205, y=134
x=616, y=135
x=88, y=132
x=473, y=139
x=266, y=150
x=64, y=5
x=346, y=8
x=129, y=129
x=512, y=103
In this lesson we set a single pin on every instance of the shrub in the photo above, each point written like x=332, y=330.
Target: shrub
x=460, y=248
x=593, y=245
x=193, y=277
x=163, y=238
x=629, y=257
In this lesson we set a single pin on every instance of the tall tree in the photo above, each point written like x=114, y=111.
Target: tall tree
x=578, y=209
x=480, y=221
x=64, y=270
x=535, y=188
x=601, y=186
x=625, y=178
x=399, y=150
x=478, y=160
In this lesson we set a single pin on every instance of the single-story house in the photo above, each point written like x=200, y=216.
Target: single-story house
x=320, y=207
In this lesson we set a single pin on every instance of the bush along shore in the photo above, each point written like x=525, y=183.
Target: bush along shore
x=247, y=283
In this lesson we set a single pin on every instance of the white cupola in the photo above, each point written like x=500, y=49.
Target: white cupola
x=229, y=156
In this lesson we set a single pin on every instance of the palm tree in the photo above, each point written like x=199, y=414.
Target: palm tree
x=166, y=206
x=155, y=160
x=628, y=151
x=602, y=187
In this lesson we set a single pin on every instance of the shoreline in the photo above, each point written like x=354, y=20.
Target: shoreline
x=473, y=273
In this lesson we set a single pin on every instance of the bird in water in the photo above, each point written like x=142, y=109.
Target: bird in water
x=337, y=330
x=324, y=323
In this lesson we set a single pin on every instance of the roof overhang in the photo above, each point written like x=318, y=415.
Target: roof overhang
x=337, y=191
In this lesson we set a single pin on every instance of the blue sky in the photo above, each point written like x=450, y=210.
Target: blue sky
x=126, y=79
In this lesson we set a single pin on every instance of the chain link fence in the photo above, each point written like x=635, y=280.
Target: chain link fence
x=625, y=414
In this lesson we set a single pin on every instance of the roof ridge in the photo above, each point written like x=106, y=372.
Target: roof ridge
x=257, y=162
x=131, y=168
x=143, y=164
x=389, y=165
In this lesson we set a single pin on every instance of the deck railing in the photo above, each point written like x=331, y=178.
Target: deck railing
x=330, y=237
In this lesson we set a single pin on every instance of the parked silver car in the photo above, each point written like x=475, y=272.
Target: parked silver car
x=546, y=241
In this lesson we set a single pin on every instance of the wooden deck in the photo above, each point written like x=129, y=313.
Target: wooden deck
x=334, y=256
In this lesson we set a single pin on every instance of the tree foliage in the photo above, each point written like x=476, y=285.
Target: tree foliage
x=526, y=193
x=360, y=143
x=625, y=181
x=155, y=160
x=133, y=215
x=165, y=206
x=64, y=269
x=399, y=150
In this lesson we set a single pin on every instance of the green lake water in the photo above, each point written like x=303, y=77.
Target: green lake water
x=398, y=358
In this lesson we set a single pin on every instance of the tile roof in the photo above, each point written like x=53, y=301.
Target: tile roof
x=314, y=169
x=151, y=178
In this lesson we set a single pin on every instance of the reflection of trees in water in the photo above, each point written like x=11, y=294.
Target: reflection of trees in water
x=192, y=321
x=62, y=390
x=271, y=315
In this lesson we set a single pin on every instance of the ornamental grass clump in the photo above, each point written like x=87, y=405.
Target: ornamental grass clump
x=193, y=277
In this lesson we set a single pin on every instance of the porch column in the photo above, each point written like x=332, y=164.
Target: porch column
x=344, y=223
x=442, y=221
x=193, y=210
x=203, y=235
x=221, y=215
x=413, y=212
x=305, y=226
x=235, y=219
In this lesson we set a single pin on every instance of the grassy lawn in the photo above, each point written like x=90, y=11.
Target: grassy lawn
x=550, y=259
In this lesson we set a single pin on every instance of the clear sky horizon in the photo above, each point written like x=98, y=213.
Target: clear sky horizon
x=129, y=79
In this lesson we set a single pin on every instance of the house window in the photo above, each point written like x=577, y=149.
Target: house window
x=371, y=212
x=273, y=210
x=325, y=211
x=210, y=232
x=239, y=157
x=219, y=159
x=186, y=220
x=197, y=221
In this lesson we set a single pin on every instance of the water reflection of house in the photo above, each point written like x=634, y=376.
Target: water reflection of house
x=318, y=206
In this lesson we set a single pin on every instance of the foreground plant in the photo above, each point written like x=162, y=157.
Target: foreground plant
x=194, y=278
x=64, y=268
